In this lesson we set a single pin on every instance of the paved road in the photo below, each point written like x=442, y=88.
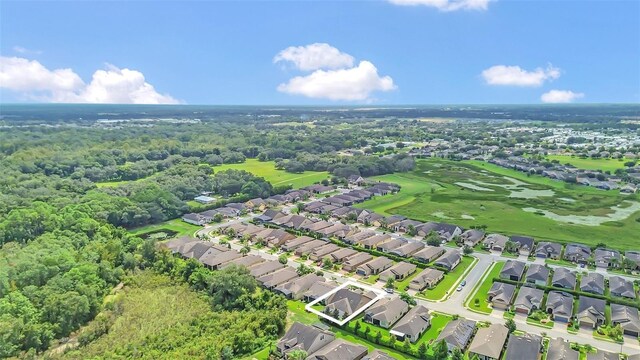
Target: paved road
x=455, y=303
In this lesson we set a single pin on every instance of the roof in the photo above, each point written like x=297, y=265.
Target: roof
x=457, y=333
x=525, y=347
x=347, y=301
x=559, y=349
x=339, y=350
x=428, y=253
x=278, y=277
x=427, y=275
x=489, y=341
x=388, y=309
x=578, y=250
x=320, y=288
x=545, y=248
x=621, y=287
x=448, y=259
x=512, y=268
x=523, y=241
x=378, y=263
x=400, y=268
x=265, y=268
x=603, y=355
x=529, y=297
x=358, y=259
x=561, y=303
x=300, y=284
x=392, y=244
x=474, y=235
x=591, y=308
x=592, y=282
x=628, y=317
x=564, y=277
x=305, y=337
x=416, y=320
x=501, y=292
x=537, y=272
x=378, y=355
x=408, y=249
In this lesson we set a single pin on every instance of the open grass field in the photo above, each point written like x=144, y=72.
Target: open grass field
x=481, y=292
x=506, y=201
x=177, y=225
x=268, y=171
x=589, y=163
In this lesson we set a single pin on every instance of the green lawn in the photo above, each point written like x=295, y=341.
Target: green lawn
x=481, y=291
x=177, y=225
x=449, y=280
x=299, y=314
x=267, y=170
x=472, y=193
x=589, y=163
x=438, y=322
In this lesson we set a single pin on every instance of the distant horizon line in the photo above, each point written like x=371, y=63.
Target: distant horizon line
x=323, y=105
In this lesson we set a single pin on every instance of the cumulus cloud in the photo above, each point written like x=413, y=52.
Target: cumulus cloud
x=517, y=76
x=446, y=5
x=34, y=81
x=315, y=56
x=560, y=96
x=23, y=50
x=356, y=83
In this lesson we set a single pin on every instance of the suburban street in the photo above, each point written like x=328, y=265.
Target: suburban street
x=454, y=302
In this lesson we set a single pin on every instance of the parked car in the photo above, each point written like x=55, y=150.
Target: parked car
x=463, y=283
x=389, y=290
x=459, y=288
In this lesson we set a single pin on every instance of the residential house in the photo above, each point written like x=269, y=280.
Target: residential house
x=317, y=290
x=429, y=254
x=489, y=342
x=340, y=350
x=386, y=312
x=352, y=263
x=457, y=334
x=257, y=204
x=449, y=260
x=529, y=299
x=392, y=244
x=213, y=261
x=276, y=278
x=548, y=250
x=591, y=312
x=495, y=242
x=603, y=355
x=563, y=278
x=305, y=338
x=378, y=355
x=176, y=244
x=296, y=288
x=560, y=306
x=399, y=271
x=472, y=237
x=524, y=244
x=345, y=302
x=446, y=232
x=592, y=283
x=577, y=253
x=358, y=237
x=560, y=349
x=605, y=258
x=412, y=325
x=391, y=221
x=408, y=249
x=320, y=252
x=406, y=225
x=308, y=247
x=295, y=243
x=356, y=180
x=246, y=261
x=501, y=295
x=375, y=266
x=337, y=257
x=318, y=189
x=537, y=274
x=371, y=219
x=512, y=270
x=264, y=268
x=627, y=317
x=523, y=347
x=428, y=278
x=203, y=199
x=621, y=287
x=195, y=219
x=633, y=256
x=373, y=241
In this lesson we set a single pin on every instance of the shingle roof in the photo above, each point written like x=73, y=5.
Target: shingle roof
x=457, y=333
x=413, y=322
x=525, y=347
x=489, y=341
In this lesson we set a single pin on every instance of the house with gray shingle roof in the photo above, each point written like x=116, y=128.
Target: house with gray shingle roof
x=591, y=312
x=429, y=253
x=560, y=306
x=564, y=278
x=295, y=288
x=373, y=241
x=512, y=270
x=346, y=302
x=339, y=350
x=392, y=244
x=318, y=289
x=524, y=347
x=449, y=260
x=501, y=294
x=303, y=337
x=276, y=278
x=627, y=317
x=537, y=274
x=408, y=249
x=529, y=299
x=524, y=244
x=495, y=242
x=308, y=247
x=428, y=278
x=264, y=268
x=386, y=312
x=472, y=237
x=548, y=250
x=603, y=355
x=375, y=266
x=378, y=355
x=489, y=341
x=621, y=287
x=457, y=334
x=592, y=283
x=352, y=263
x=246, y=261
x=633, y=256
x=322, y=251
x=577, y=253
x=606, y=258
x=341, y=255
x=398, y=271
x=559, y=349
x=295, y=243
x=412, y=325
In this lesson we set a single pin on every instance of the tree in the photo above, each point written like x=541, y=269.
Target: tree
x=440, y=350
x=297, y=355
x=456, y=354
x=406, y=345
x=356, y=327
x=407, y=298
x=467, y=250
x=511, y=325
x=304, y=270
x=433, y=239
x=327, y=263
x=422, y=350
x=390, y=283
x=282, y=259
x=411, y=230
x=378, y=338
x=245, y=250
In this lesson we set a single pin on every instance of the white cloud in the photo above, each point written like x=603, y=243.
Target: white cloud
x=560, y=96
x=315, y=56
x=356, y=83
x=23, y=50
x=112, y=85
x=446, y=5
x=516, y=76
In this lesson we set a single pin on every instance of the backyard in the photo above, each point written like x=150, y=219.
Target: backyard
x=475, y=193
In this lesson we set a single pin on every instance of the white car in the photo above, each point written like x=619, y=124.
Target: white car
x=459, y=288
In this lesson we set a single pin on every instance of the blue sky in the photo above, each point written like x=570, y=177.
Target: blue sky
x=222, y=52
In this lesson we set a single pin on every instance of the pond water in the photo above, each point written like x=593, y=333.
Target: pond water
x=619, y=213
x=518, y=189
x=472, y=186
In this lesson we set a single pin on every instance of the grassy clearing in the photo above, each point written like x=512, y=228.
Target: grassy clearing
x=299, y=314
x=449, y=280
x=481, y=292
x=268, y=171
x=430, y=193
x=177, y=225
x=589, y=163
